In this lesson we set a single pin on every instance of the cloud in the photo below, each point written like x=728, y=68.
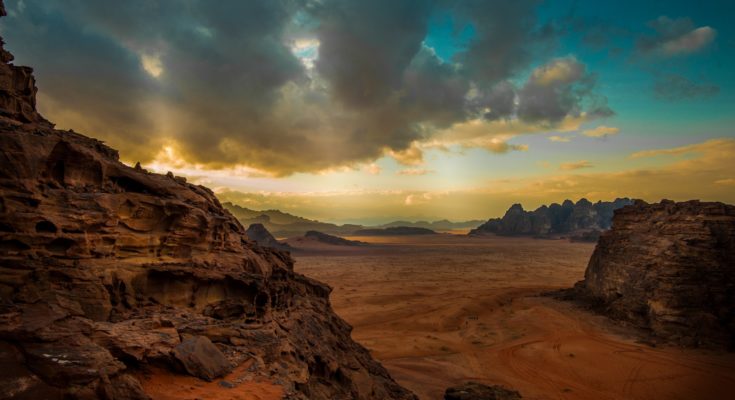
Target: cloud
x=601, y=131
x=506, y=34
x=413, y=155
x=374, y=169
x=674, y=87
x=421, y=198
x=675, y=37
x=570, y=166
x=290, y=86
x=713, y=146
x=495, y=103
x=558, y=89
x=414, y=171
x=152, y=64
x=495, y=135
x=561, y=139
x=705, y=174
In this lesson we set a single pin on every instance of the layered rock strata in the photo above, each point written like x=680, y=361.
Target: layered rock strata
x=668, y=268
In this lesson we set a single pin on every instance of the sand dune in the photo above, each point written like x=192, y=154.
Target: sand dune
x=440, y=310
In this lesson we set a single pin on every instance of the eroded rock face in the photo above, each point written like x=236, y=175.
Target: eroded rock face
x=17, y=88
x=669, y=268
x=582, y=219
x=105, y=269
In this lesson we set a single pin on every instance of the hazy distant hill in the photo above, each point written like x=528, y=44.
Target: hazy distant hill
x=260, y=235
x=442, y=225
x=284, y=224
x=333, y=240
x=394, y=231
x=581, y=221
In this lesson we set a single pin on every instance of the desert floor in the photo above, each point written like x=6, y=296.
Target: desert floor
x=440, y=310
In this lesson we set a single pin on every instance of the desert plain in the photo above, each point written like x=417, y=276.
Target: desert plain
x=438, y=310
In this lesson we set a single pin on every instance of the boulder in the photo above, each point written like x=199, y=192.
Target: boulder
x=202, y=359
x=478, y=391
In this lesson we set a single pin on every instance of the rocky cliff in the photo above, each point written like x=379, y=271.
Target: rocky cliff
x=107, y=270
x=17, y=88
x=668, y=268
x=579, y=219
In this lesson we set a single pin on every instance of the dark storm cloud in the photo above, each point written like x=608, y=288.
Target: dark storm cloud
x=673, y=87
x=367, y=45
x=221, y=82
x=559, y=89
x=506, y=36
x=79, y=66
x=495, y=103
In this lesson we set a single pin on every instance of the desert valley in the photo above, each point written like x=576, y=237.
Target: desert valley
x=166, y=280
x=446, y=309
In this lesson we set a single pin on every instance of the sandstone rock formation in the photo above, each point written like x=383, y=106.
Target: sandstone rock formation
x=17, y=88
x=258, y=234
x=668, y=268
x=107, y=269
x=583, y=219
x=478, y=391
x=331, y=239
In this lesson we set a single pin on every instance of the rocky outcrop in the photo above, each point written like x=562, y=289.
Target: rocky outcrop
x=258, y=234
x=17, y=89
x=478, y=391
x=107, y=269
x=668, y=268
x=331, y=239
x=583, y=219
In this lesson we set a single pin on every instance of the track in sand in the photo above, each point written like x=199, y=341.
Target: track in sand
x=440, y=310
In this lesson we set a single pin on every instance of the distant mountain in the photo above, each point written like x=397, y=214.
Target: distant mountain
x=394, y=231
x=579, y=220
x=333, y=240
x=284, y=224
x=260, y=235
x=271, y=216
x=442, y=225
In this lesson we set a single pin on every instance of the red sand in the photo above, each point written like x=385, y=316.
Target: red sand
x=440, y=310
x=164, y=385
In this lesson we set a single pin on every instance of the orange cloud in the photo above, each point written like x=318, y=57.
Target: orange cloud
x=601, y=131
x=570, y=166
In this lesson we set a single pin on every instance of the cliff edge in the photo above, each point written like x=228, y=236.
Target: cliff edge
x=668, y=268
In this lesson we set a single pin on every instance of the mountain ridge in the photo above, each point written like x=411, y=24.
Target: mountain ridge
x=583, y=220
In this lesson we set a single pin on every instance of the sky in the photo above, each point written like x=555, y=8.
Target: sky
x=368, y=111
